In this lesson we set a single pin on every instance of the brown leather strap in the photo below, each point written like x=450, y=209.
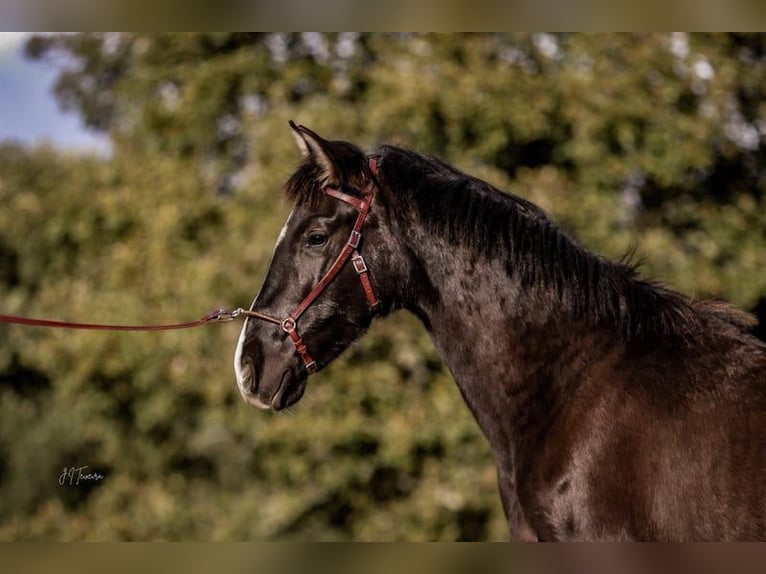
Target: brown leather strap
x=349, y=249
x=217, y=316
x=261, y=316
x=288, y=325
x=364, y=276
x=347, y=198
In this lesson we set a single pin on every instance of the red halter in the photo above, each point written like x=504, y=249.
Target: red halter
x=289, y=324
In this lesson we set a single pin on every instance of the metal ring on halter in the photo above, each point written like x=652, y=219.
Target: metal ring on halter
x=288, y=325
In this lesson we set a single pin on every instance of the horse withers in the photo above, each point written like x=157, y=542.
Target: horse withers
x=615, y=409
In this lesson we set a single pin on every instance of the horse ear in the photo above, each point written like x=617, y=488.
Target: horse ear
x=317, y=148
x=300, y=140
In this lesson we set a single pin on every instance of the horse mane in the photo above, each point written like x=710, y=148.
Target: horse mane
x=499, y=225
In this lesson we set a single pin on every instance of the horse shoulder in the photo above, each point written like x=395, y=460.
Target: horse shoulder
x=643, y=451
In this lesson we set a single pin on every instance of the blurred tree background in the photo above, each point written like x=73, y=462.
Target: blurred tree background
x=652, y=141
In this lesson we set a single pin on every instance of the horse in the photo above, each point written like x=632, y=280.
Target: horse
x=615, y=408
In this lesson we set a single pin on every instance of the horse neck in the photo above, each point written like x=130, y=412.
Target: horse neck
x=509, y=346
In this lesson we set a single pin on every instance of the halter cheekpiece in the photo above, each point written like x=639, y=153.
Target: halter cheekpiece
x=350, y=252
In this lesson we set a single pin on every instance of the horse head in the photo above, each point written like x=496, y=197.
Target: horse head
x=325, y=281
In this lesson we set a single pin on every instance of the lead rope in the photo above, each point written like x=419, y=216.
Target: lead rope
x=216, y=316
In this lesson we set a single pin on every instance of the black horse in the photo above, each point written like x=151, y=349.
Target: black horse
x=615, y=409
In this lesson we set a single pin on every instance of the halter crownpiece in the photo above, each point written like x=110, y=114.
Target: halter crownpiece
x=350, y=252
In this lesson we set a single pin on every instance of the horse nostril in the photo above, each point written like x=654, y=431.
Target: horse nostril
x=248, y=377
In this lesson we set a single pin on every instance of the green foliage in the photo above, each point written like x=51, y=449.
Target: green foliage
x=652, y=141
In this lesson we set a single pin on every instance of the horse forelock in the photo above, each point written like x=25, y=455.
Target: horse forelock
x=304, y=184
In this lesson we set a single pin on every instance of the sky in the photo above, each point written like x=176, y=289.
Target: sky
x=29, y=112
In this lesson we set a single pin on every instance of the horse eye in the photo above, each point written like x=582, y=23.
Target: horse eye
x=317, y=239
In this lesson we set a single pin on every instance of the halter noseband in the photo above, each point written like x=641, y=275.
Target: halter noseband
x=350, y=251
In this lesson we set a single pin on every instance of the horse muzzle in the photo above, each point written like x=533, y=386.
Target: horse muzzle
x=288, y=390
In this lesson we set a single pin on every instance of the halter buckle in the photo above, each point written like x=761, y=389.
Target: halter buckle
x=354, y=238
x=359, y=264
